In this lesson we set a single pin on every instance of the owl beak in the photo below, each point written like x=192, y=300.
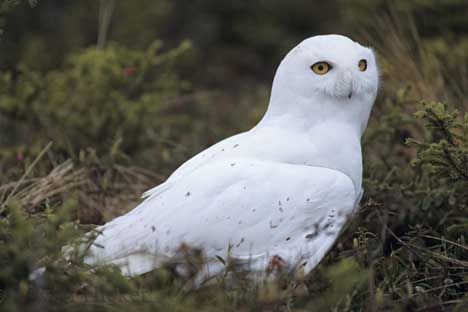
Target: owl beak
x=345, y=84
x=351, y=85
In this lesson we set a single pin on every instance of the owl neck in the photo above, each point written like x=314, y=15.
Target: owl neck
x=328, y=130
x=289, y=110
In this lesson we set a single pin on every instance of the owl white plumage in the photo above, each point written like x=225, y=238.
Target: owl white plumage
x=284, y=189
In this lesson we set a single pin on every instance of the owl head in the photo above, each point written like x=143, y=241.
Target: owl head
x=326, y=78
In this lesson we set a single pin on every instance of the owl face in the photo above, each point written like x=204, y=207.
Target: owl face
x=325, y=79
x=330, y=66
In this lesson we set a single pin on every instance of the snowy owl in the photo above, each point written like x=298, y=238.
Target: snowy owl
x=281, y=191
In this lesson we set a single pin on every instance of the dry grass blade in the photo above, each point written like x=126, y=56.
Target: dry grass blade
x=60, y=180
x=31, y=192
x=111, y=190
x=26, y=173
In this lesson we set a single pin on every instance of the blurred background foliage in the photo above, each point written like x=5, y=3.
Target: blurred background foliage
x=100, y=100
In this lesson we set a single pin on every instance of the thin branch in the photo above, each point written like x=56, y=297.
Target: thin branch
x=453, y=163
x=444, y=240
x=440, y=124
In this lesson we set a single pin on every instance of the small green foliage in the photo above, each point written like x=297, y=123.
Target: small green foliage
x=446, y=152
x=342, y=281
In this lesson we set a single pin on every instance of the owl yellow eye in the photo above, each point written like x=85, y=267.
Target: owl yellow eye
x=362, y=65
x=321, y=68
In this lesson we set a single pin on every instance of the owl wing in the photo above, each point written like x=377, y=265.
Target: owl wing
x=214, y=152
x=239, y=208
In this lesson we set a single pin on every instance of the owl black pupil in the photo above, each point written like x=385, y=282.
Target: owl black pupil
x=320, y=67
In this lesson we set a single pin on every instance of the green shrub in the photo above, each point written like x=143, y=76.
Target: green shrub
x=98, y=99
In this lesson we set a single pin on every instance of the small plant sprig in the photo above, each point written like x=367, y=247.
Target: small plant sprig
x=445, y=151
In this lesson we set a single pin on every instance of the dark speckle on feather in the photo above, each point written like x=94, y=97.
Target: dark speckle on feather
x=187, y=194
x=236, y=145
x=233, y=164
x=153, y=228
x=241, y=241
x=287, y=199
x=308, y=199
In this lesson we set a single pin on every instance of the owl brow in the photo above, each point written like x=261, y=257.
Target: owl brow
x=319, y=56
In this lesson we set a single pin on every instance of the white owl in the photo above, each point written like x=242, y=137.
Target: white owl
x=282, y=190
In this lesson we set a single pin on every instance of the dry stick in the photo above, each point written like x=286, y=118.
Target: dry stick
x=413, y=248
x=409, y=246
x=438, y=288
x=438, y=305
x=444, y=240
x=26, y=173
x=445, y=258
